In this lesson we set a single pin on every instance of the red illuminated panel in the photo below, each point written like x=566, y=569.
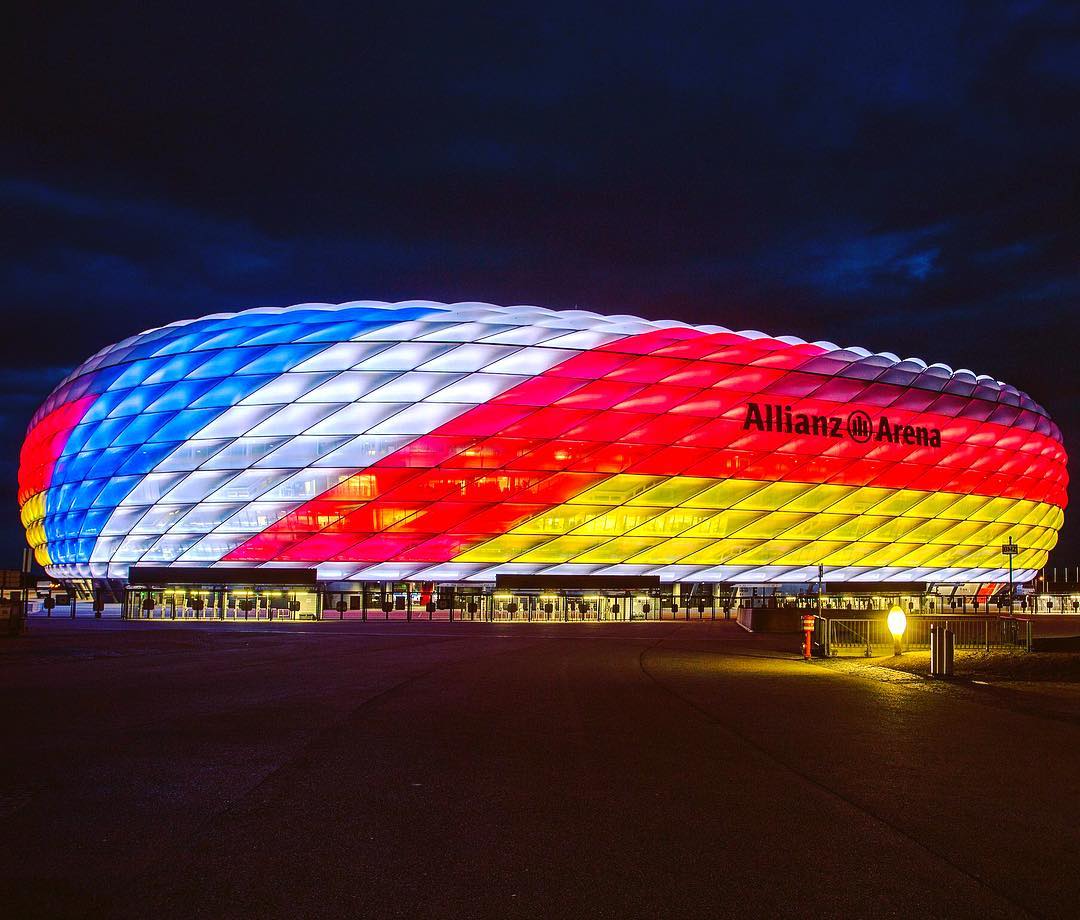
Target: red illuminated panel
x=540, y=391
x=664, y=429
x=651, y=342
x=551, y=422
x=377, y=548
x=590, y=365
x=649, y=369
x=318, y=547
x=445, y=546
x=263, y=546
x=621, y=457
x=376, y=516
x=600, y=394
x=428, y=451
x=368, y=484
x=560, y=487
x=504, y=485
x=45, y=443
x=485, y=420
x=669, y=461
x=497, y=519
x=439, y=517
x=494, y=453
x=608, y=427
x=555, y=455
x=431, y=485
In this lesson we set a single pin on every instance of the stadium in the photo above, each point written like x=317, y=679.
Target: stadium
x=379, y=455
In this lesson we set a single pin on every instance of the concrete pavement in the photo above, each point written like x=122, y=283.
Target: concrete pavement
x=474, y=770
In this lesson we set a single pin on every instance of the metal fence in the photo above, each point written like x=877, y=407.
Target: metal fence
x=180, y=612
x=835, y=636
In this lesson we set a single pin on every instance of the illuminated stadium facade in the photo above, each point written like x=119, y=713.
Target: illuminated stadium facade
x=451, y=444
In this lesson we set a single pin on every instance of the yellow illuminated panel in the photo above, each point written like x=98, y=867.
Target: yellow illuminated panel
x=562, y=519
x=618, y=550
x=814, y=526
x=617, y=490
x=752, y=523
x=725, y=494
x=675, y=491
x=771, y=525
x=560, y=549
x=725, y=523
x=673, y=549
x=672, y=523
x=503, y=548
x=619, y=521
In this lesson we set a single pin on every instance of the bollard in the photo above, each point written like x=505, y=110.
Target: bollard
x=808, y=632
x=942, y=643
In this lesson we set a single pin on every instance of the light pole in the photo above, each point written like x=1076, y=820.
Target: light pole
x=1010, y=549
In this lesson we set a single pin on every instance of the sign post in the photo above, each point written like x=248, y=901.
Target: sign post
x=1010, y=549
x=27, y=564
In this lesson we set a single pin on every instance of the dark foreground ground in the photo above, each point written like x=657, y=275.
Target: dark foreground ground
x=429, y=770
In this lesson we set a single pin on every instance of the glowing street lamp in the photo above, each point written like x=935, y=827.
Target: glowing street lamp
x=897, y=623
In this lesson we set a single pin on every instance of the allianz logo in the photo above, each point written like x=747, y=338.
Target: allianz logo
x=858, y=426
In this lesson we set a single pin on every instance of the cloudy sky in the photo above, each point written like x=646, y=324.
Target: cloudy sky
x=904, y=177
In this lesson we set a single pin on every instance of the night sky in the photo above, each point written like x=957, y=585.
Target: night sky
x=904, y=177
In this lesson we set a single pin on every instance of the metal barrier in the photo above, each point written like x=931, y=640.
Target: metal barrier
x=835, y=636
x=163, y=612
x=942, y=646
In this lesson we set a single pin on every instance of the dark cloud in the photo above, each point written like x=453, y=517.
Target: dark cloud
x=901, y=176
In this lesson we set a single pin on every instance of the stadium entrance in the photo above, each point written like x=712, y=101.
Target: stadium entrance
x=171, y=593
x=168, y=593
x=529, y=599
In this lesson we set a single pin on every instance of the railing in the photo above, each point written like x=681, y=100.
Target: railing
x=167, y=612
x=835, y=636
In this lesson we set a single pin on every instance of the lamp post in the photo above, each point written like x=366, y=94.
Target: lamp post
x=897, y=623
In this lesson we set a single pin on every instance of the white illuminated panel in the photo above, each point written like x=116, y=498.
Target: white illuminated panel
x=470, y=357
x=357, y=418
x=419, y=418
x=476, y=388
x=348, y=386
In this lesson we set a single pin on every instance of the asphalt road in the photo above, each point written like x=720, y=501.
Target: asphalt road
x=429, y=770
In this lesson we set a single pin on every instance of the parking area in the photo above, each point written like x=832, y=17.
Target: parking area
x=491, y=769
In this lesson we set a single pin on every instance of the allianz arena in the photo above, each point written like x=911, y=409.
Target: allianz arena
x=459, y=443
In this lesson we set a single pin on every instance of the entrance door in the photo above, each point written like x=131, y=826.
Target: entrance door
x=644, y=606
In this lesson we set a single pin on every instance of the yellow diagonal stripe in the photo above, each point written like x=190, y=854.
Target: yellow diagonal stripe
x=693, y=521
